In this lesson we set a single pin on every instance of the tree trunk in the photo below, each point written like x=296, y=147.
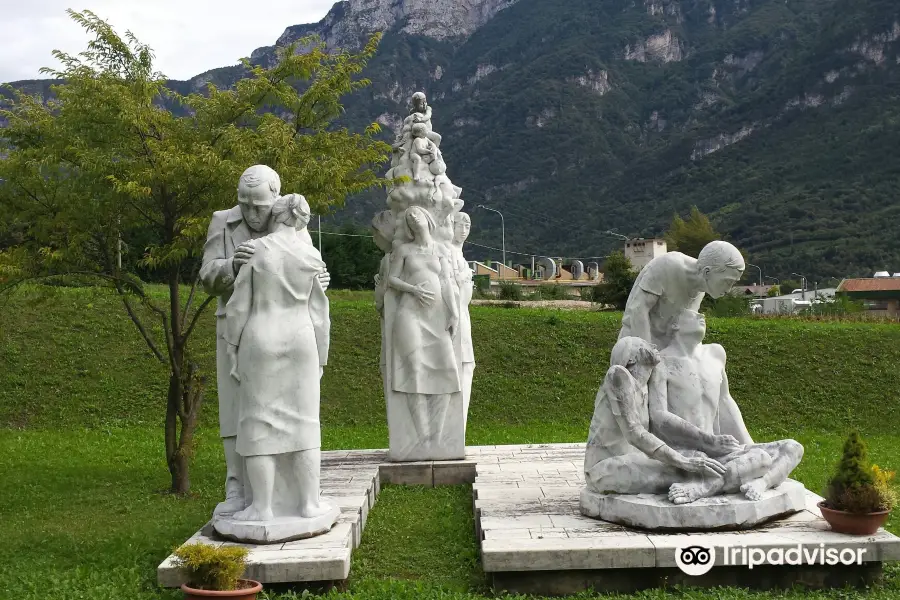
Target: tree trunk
x=178, y=448
x=176, y=454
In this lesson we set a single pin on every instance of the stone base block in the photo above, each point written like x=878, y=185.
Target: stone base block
x=627, y=581
x=720, y=513
x=278, y=530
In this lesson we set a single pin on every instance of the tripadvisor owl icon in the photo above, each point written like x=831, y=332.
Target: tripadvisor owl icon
x=695, y=560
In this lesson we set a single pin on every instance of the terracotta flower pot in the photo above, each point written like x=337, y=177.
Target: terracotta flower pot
x=853, y=523
x=245, y=593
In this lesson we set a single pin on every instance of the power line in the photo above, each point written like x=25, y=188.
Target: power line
x=341, y=234
x=547, y=254
x=536, y=254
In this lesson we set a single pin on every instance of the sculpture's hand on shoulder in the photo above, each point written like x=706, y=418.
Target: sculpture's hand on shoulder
x=325, y=279
x=242, y=255
x=618, y=376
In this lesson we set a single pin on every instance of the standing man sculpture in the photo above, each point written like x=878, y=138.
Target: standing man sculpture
x=225, y=252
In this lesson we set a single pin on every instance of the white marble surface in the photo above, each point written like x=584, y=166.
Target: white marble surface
x=527, y=515
x=673, y=282
x=732, y=511
x=423, y=290
x=276, y=328
x=529, y=518
x=278, y=529
x=229, y=246
x=665, y=423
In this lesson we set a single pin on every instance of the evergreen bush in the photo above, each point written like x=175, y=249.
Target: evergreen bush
x=209, y=568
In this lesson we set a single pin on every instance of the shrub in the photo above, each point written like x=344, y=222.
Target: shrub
x=586, y=293
x=510, y=291
x=552, y=291
x=857, y=486
x=209, y=568
x=728, y=305
x=838, y=306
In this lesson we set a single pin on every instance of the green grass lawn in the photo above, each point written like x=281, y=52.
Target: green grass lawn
x=83, y=510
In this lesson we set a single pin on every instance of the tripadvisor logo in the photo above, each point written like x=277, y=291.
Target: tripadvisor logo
x=695, y=560
x=698, y=560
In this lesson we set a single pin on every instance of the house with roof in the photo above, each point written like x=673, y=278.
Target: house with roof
x=880, y=295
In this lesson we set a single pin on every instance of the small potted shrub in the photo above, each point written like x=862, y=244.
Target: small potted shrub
x=859, y=496
x=215, y=572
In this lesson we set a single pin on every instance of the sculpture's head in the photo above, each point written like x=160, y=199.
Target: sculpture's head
x=419, y=103
x=258, y=189
x=462, y=224
x=637, y=355
x=291, y=210
x=383, y=225
x=720, y=265
x=419, y=130
x=417, y=221
x=689, y=327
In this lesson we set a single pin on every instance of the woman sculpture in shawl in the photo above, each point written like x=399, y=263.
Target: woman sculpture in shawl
x=422, y=359
x=278, y=335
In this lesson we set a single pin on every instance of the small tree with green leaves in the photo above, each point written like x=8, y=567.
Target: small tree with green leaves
x=115, y=151
x=618, y=279
x=689, y=237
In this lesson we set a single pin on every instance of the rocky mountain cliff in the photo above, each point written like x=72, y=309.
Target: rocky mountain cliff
x=779, y=118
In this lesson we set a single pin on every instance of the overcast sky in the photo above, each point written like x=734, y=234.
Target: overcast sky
x=187, y=36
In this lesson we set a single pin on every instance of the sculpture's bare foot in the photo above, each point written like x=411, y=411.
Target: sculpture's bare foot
x=229, y=506
x=684, y=493
x=311, y=511
x=254, y=513
x=753, y=490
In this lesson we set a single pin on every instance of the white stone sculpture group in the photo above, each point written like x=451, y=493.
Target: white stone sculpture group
x=665, y=432
x=664, y=419
x=423, y=290
x=272, y=346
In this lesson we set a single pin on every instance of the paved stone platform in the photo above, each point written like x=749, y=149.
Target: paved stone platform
x=535, y=540
x=532, y=535
x=351, y=479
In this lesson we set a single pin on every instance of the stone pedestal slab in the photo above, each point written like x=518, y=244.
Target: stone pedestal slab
x=278, y=530
x=656, y=513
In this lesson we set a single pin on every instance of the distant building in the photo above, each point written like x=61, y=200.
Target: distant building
x=797, y=301
x=640, y=251
x=880, y=295
x=759, y=291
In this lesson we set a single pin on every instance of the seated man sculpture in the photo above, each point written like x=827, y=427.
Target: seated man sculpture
x=622, y=455
x=666, y=422
x=691, y=408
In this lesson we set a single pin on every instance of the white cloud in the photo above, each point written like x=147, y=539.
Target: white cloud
x=187, y=36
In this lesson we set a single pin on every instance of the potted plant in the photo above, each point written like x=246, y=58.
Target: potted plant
x=215, y=572
x=859, y=497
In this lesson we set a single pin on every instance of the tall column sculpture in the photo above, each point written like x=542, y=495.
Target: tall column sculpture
x=422, y=294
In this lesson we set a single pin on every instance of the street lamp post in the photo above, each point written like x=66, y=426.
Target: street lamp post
x=760, y=273
x=802, y=285
x=502, y=233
